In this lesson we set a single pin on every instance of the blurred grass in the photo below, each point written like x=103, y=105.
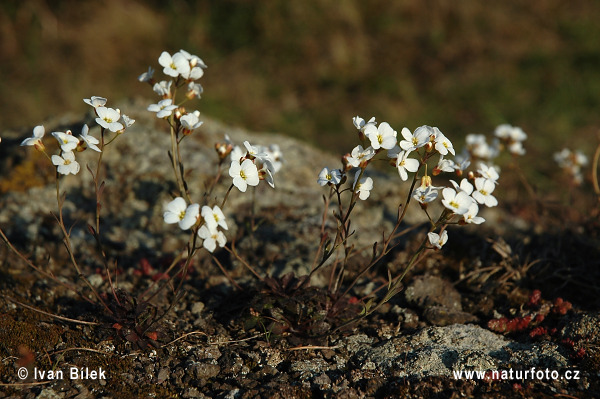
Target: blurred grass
x=306, y=68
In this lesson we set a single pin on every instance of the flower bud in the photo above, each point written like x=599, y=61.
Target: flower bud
x=426, y=181
x=429, y=146
x=345, y=163
x=436, y=171
x=223, y=149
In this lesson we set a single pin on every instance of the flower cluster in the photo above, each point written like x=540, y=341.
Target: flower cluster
x=109, y=119
x=410, y=152
x=184, y=69
x=191, y=216
x=256, y=163
x=248, y=164
x=571, y=162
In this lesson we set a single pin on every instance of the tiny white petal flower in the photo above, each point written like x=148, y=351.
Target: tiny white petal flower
x=175, y=211
x=146, y=76
x=446, y=165
x=211, y=238
x=214, y=217
x=464, y=186
x=333, y=176
x=109, y=118
x=360, y=123
x=458, y=202
x=483, y=193
x=425, y=194
x=90, y=141
x=488, y=172
x=36, y=139
x=404, y=164
x=436, y=240
x=163, y=88
x=360, y=155
x=244, y=174
x=381, y=137
x=67, y=142
x=163, y=109
x=194, y=90
x=175, y=65
x=66, y=164
x=443, y=145
x=364, y=187
x=415, y=140
x=95, y=101
x=471, y=215
x=191, y=121
x=479, y=148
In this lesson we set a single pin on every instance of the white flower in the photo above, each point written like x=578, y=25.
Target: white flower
x=360, y=155
x=213, y=217
x=404, y=164
x=66, y=163
x=443, y=145
x=458, y=202
x=326, y=176
x=436, y=240
x=146, y=76
x=194, y=90
x=464, y=186
x=471, y=215
x=36, y=139
x=571, y=162
x=191, y=121
x=445, y=165
x=66, y=140
x=95, y=101
x=513, y=136
x=174, y=66
x=415, y=140
x=90, y=141
x=425, y=194
x=360, y=123
x=462, y=161
x=511, y=133
x=244, y=174
x=163, y=88
x=276, y=157
x=364, y=187
x=488, y=172
x=237, y=153
x=211, y=238
x=109, y=118
x=483, y=194
x=126, y=121
x=163, y=109
x=177, y=211
x=479, y=148
x=381, y=137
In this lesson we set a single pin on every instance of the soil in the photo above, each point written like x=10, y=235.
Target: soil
x=520, y=293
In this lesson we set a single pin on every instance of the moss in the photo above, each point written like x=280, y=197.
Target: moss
x=15, y=334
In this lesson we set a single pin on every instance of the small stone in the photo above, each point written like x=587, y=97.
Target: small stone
x=197, y=308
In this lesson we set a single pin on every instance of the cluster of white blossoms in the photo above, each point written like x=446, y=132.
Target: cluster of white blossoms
x=248, y=164
x=253, y=163
x=184, y=69
x=209, y=219
x=461, y=200
x=110, y=119
x=505, y=137
x=571, y=162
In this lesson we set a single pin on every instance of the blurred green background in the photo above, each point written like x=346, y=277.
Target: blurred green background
x=305, y=68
